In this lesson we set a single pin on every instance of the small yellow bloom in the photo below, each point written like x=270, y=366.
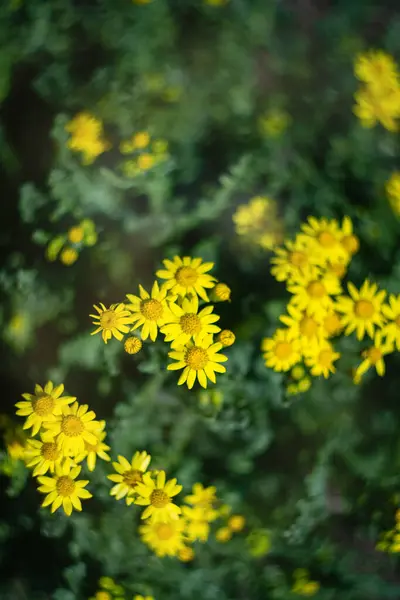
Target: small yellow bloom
x=297, y=372
x=198, y=519
x=140, y=140
x=274, y=122
x=201, y=496
x=320, y=358
x=374, y=356
x=157, y=497
x=258, y=222
x=186, y=323
x=63, y=489
x=112, y=321
x=86, y=136
x=282, y=351
x=187, y=276
x=201, y=360
x=226, y=338
x=92, y=451
x=133, y=345
x=145, y=161
x=150, y=311
x=75, y=234
x=236, y=522
x=362, y=309
x=259, y=542
x=221, y=293
x=44, y=456
x=326, y=237
x=393, y=192
x=186, y=554
x=68, y=256
x=223, y=534
x=293, y=258
x=312, y=292
x=128, y=475
x=375, y=106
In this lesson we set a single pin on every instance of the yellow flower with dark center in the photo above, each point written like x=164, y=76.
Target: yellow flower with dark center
x=68, y=256
x=92, y=451
x=375, y=67
x=63, y=489
x=150, y=311
x=374, y=356
x=133, y=345
x=165, y=539
x=226, y=338
x=392, y=313
x=326, y=236
x=293, y=258
x=236, y=522
x=44, y=456
x=45, y=405
x=76, y=234
x=320, y=358
x=128, y=475
x=186, y=554
x=188, y=323
x=198, y=519
x=201, y=360
x=313, y=292
x=201, y=496
x=306, y=328
x=362, y=310
x=223, y=534
x=157, y=497
x=112, y=321
x=282, y=351
x=187, y=276
x=393, y=192
x=73, y=428
x=220, y=293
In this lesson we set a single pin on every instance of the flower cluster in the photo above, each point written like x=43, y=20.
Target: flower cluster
x=109, y=590
x=393, y=192
x=258, y=222
x=175, y=309
x=303, y=585
x=145, y=153
x=235, y=524
x=378, y=98
x=63, y=434
x=86, y=137
x=390, y=540
x=68, y=246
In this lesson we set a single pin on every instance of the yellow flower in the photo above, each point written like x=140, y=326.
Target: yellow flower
x=92, y=451
x=188, y=323
x=306, y=328
x=373, y=356
x=68, y=256
x=320, y=357
x=376, y=67
x=282, y=351
x=313, y=292
x=274, y=122
x=201, y=496
x=156, y=496
x=326, y=236
x=145, y=161
x=393, y=192
x=258, y=222
x=362, y=310
x=226, y=338
x=132, y=345
x=186, y=554
x=150, y=312
x=16, y=450
x=44, y=456
x=45, y=405
x=111, y=321
x=332, y=324
x=141, y=139
x=293, y=258
x=378, y=106
x=86, y=132
x=221, y=293
x=76, y=234
x=165, y=539
x=187, y=276
x=349, y=241
x=198, y=521
x=63, y=489
x=392, y=313
x=223, y=534
x=199, y=360
x=73, y=428
x=236, y=522
x=129, y=474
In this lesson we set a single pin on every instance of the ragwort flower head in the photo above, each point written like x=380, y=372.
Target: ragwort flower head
x=349, y=240
x=188, y=323
x=63, y=490
x=92, y=451
x=201, y=496
x=306, y=328
x=128, y=475
x=201, y=360
x=157, y=497
x=376, y=68
x=86, y=136
x=43, y=456
x=393, y=192
x=312, y=292
x=282, y=351
x=374, y=356
x=392, y=313
x=198, y=521
x=150, y=311
x=378, y=106
x=362, y=309
x=73, y=428
x=165, y=539
x=293, y=258
x=320, y=358
x=111, y=321
x=326, y=236
x=187, y=276
x=45, y=405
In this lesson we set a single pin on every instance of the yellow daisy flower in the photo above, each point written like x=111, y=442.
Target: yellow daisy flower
x=291, y=259
x=73, y=428
x=43, y=406
x=44, y=456
x=376, y=66
x=392, y=313
x=332, y=324
x=306, y=328
x=111, y=321
x=313, y=292
x=327, y=236
x=62, y=489
x=362, y=310
x=201, y=496
x=373, y=356
x=320, y=358
x=187, y=323
x=92, y=451
x=198, y=521
x=199, y=360
x=349, y=241
x=378, y=106
x=165, y=539
x=128, y=475
x=150, y=312
x=282, y=351
x=186, y=276
x=156, y=496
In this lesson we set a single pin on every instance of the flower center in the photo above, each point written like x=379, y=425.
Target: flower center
x=151, y=309
x=196, y=358
x=298, y=259
x=108, y=319
x=133, y=477
x=159, y=499
x=316, y=289
x=190, y=324
x=325, y=358
x=65, y=486
x=326, y=239
x=374, y=355
x=49, y=451
x=308, y=327
x=283, y=350
x=164, y=531
x=186, y=276
x=338, y=269
x=72, y=426
x=43, y=405
x=364, y=309
x=351, y=244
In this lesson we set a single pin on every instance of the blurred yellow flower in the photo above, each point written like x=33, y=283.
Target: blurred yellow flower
x=374, y=356
x=320, y=358
x=201, y=361
x=362, y=309
x=86, y=136
x=223, y=534
x=258, y=222
x=220, y=293
x=236, y=522
x=128, y=475
x=76, y=234
x=281, y=351
x=68, y=256
x=393, y=192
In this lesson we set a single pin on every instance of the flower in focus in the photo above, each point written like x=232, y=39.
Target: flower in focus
x=111, y=321
x=149, y=311
x=157, y=496
x=393, y=192
x=73, y=428
x=282, y=351
x=132, y=345
x=187, y=323
x=326, y=237
x=44, y=456
x=63, y=489
x=362, y=310
x=86, y=136
x=201, y=360
x=187, y=276
x=45, y=405
x=226, y=338
x=373, y=356
x=320, y=358
x=128, y=475
x=165, y=539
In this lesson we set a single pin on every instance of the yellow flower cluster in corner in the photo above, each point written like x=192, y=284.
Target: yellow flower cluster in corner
x=235, y=524
x=390, y=540
x=175, y=308
x=257, y=222
x=86, y=136
x=109, y=590
x=68, y=246
x=146, y=153
x=303, y=585
x=378, y=98
x=14, y=439
x=393, y=192
x=63, y=434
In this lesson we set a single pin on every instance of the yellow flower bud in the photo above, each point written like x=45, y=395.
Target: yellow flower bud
x=145, y=161
x=236, y=522
x=298, y=372
x=223, y=534
x=68, y=256
x=141, y=139
x=132, y=345
x=226, y=337
x=75, y=234
x=221, y=293
x=186, y=554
